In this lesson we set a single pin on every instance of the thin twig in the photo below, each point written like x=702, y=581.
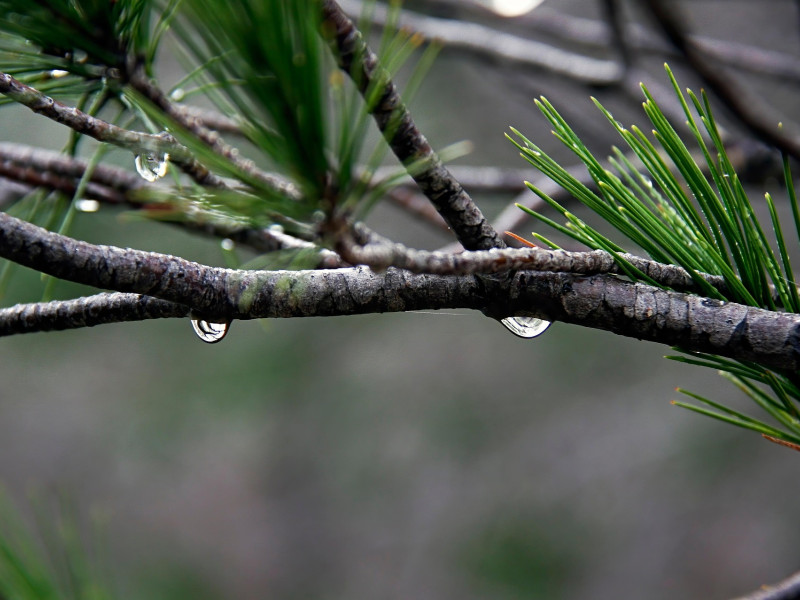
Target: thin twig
x=361, y=246
x=113, y=185
x=408, y=144
x=141, y=83
x=102, y=131
x=86, y=312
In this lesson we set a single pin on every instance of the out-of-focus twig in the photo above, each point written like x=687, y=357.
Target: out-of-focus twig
x=748, y=110
x=788, y=589
x=487, y=41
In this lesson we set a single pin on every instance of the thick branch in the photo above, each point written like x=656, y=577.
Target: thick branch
x=409, y=145
x=604, y=302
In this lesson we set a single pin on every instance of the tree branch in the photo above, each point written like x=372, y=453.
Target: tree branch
x=106, y=132
x=141, y=83
x=602, y=301
x=112, y=185
x=409, y=145
x=86, y=312
x=360, y=246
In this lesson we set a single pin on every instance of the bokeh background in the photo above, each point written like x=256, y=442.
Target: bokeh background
x=410, y=455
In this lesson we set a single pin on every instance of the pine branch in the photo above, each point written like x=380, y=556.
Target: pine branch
x=112, y=185
x=360, y=246
x=85, y=312
x=106, y=132
x=602, y=301
x=407, y=142
x=141, y=83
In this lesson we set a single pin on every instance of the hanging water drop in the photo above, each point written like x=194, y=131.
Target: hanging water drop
x=152, y=165
x=525, y=327
x=209, y=331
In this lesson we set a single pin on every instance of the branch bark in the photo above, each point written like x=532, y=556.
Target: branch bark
x=407, y=142
x=601, y=301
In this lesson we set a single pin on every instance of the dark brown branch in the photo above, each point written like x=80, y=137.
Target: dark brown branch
x=408, y=144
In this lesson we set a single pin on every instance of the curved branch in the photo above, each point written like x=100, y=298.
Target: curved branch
x=407, y=142
x=102, y=131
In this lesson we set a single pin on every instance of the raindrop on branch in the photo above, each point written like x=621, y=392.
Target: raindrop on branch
x=525, y=327
x=210, y=332
x=152, y=165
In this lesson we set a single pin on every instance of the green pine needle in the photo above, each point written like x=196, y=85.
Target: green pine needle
x=689, y=208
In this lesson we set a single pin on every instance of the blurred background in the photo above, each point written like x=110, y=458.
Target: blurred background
x=407, y=455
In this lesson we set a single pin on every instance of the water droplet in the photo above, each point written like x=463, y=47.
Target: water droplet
x=227, y=244
x=87, y=206
x=151, y=165
x=177, y=95
x=525, y=327
x=210, y=332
